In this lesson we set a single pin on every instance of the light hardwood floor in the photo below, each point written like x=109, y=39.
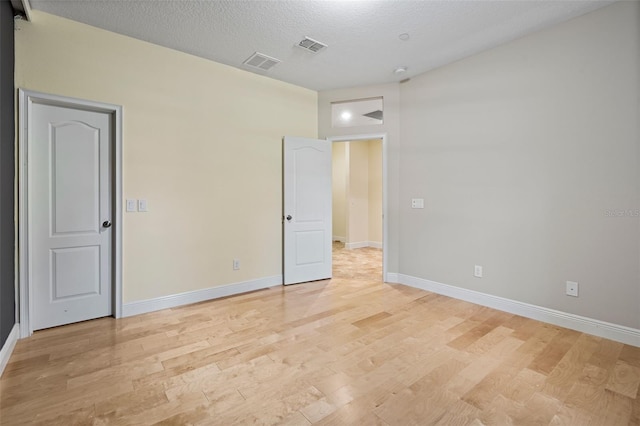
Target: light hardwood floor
x=351, y=350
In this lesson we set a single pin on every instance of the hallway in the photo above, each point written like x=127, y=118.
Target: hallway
x=363, y=264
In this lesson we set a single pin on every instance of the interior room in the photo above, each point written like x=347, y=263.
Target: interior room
x=466, y=243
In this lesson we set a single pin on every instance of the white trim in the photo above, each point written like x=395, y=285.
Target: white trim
x=339, y=239
x=22, y=238
x=7, y=348
x=189, y=297
x=26, y=98
x=362, y=244
x=619, y=333
x=22, y=6
x=26, y=6
x=118, y=226
x=27, y=9
x=393, y=278
x=385, y=144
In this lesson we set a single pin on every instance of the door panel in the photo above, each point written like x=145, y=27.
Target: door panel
x=70, y=199
x=75, y=272
x=310, y=247
x=307, y=201
x=75, y=172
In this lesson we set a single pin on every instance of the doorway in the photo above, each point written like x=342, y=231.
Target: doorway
x=70, y=214
x=359, y=206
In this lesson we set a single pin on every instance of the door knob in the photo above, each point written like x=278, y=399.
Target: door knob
x=289, y=218
x=106, y=224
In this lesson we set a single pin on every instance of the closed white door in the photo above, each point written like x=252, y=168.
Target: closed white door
x=307, y=210
x=69, y=215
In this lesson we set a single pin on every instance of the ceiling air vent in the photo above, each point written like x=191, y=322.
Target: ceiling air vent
x=377, y=114
x=261, y=61
x=312, y=45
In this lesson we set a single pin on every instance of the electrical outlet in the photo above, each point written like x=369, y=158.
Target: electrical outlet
x=236, y=264
x=572, y=288
x=477, y=271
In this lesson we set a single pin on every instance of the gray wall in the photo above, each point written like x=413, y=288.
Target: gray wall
x=528, y=158
x=7, y=158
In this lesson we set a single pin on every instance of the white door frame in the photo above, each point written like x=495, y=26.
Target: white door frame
x=383, y=136
x=26, y=98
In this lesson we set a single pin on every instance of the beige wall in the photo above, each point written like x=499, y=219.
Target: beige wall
x=375, y=191
x=339, y=192
x=202, y=143
x=358, y=193
x=520, y=153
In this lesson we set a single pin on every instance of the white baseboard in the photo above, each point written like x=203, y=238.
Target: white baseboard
x=619, y=333
x=362, y=244
x=392, y=277
x=340, y=239
x=187, y=298
x=7, y=348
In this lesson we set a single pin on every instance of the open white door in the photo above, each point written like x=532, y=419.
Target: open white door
x=307, y=210
x=70, y=214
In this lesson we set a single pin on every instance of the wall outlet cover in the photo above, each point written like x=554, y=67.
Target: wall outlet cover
x=572, y=288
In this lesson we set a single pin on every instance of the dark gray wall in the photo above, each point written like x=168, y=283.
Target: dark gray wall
x=7, y=158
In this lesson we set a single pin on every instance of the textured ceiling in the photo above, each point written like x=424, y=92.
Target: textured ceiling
x=364, y=47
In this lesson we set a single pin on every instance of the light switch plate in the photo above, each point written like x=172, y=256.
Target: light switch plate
x=417, y=203
x=132, y=205
x=142, y=205
x=477, y=271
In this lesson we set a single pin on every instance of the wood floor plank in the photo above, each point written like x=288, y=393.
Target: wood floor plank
x=570, y=417
x=630, y=355
x=547, y=360
x=357, y=412
x=570, y=367
x=612, y=409
x=635, y=413
x=131, y=403
x=624, y=379
x=347, y=351
x=539, y=409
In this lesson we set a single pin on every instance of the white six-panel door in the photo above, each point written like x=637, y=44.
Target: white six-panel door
x=70, y=215
x=307, y=210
